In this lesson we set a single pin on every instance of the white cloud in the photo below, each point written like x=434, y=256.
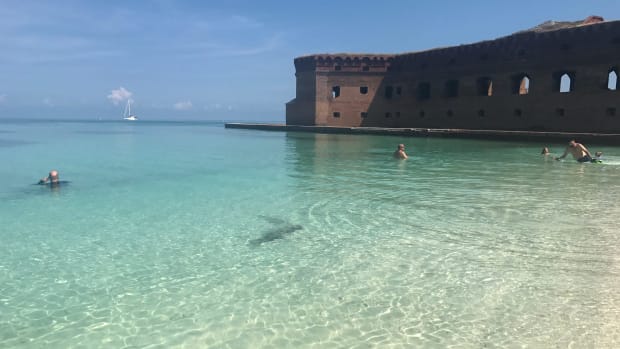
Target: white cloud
x=119, y=95
x=2, y=98
x=184, y=105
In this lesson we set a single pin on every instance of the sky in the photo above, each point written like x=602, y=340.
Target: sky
x=221, y=60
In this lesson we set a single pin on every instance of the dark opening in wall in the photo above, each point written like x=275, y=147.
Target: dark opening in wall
x=389, y=92
x=450, y=113
x=336, y=114
x=424, y=91
x=337, y=67
x=452, y=88
x=485, y=86
x=335, y=91
x=521, y=84
x=560, y=112
x=364, y=115
x=422, y=114
x=388, y=115
x=612, y=79
x=481, y=113
x=399, y=90
x=365, y=68
x=564, y=81
x=518, y=112
x=397, y=114
x=611, y=111
x=363, y=90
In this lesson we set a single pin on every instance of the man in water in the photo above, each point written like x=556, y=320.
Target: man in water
x=579, y=152
x=53, y=178
x=400, y=152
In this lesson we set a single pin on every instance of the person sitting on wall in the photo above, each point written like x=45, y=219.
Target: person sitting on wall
x=578, y=150
x=400, y=152
x=53, y=178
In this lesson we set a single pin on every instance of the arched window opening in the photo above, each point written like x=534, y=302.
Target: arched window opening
x=565, y=83
x=521, y=84
x=612, y=80
x=424, y=91
x=451, y=89
x=485, y=87
x=524, y=86
x=335, y=92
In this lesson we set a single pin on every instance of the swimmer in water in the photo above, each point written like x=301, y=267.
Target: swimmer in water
x=400, y=152
x=52, y=178
x=578, y=151
x=544, y=151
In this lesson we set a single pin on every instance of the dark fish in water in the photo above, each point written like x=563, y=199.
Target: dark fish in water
x=276, y=233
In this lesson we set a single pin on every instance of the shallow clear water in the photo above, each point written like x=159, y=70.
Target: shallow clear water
x=192, y=235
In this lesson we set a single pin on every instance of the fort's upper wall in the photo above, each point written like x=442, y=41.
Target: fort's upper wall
x=570, y=45
x=345, y=62
x=572, y=40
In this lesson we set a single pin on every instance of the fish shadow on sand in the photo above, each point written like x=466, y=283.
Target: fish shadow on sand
x=280, y=230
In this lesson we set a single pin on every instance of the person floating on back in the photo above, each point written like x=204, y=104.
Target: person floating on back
x=52, y=178
x=400, y=152
x=578, y=151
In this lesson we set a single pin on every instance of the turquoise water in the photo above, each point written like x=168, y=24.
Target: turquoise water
x=192, y=235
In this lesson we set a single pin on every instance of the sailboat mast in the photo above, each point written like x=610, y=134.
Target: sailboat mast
x=129, y=106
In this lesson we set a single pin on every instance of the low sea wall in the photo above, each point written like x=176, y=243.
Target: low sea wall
x=599, y=138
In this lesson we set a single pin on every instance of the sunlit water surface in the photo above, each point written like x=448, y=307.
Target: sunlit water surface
x=192, y=235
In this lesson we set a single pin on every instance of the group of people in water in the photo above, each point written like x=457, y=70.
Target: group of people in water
x=577, y=150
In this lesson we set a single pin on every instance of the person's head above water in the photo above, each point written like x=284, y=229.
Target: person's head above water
x=400, y=152
x=544, y=151
x=53, y=176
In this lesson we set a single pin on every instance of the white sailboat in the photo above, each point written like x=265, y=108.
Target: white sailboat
x=127, y=113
